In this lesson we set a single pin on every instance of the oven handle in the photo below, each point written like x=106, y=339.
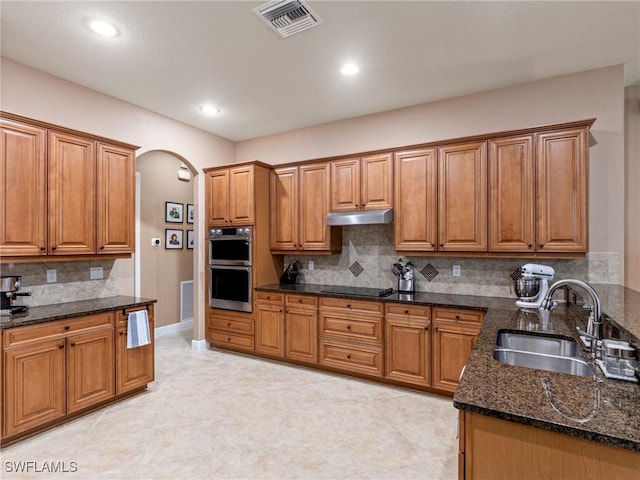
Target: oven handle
x=227, y=239
x=230, y=267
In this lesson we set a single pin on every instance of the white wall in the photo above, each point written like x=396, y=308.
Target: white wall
x=32, y=93
x=596, y=93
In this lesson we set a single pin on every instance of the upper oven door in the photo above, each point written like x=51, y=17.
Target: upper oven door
x=230, y=251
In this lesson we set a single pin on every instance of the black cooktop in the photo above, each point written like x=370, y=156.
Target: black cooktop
x=359, y=291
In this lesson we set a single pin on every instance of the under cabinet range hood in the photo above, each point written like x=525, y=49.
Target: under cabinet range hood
x=365, y=217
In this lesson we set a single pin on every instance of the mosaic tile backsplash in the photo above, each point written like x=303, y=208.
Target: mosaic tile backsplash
x=370, y=249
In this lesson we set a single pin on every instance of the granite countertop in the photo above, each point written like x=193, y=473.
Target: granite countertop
x=598, y=409
x=48, y=313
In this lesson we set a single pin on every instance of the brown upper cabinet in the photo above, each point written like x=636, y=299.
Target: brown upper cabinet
x=66, y=193
x=299, y=207
x=231, y=198
x=362, y=183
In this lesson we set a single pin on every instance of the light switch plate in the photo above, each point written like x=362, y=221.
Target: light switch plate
x=52, y=276
x=311, y=265
x=96, y=273
x=456, y=270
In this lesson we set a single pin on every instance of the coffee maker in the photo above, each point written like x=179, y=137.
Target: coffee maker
x=9, y=286
x=532, y=285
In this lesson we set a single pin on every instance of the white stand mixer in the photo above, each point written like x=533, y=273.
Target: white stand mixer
x=533, y=285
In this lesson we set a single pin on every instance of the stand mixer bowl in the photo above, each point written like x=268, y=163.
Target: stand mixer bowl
x=527, y=287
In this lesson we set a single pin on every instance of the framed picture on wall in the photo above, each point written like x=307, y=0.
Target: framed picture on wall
x=174, y=212
x=173, y=239
x=191, y=214
x=189, y=238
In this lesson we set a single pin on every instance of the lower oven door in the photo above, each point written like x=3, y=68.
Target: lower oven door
x=230, y=287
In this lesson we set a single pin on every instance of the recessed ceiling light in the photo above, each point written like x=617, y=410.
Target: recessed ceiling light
x=349, y=69
x=103, y=28
x=209, y=110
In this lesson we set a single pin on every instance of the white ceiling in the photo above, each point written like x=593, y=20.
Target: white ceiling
x=171, y=57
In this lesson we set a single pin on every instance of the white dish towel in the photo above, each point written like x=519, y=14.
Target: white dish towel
x=138, y=329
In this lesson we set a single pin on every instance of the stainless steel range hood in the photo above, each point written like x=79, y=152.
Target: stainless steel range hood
x=366, y=217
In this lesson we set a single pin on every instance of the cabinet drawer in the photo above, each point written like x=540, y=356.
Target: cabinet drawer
x=362, y=328
x=231, y=340
x=475, y=316
x=271, y=297
x=408, y=310
x=235, y=325
x=13, y=337
x=308, y=301
x=357, y=358
x=351, y=304
x=123, y=314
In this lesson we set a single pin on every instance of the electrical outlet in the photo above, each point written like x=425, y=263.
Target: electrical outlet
x=52, y=276
x=156, y=242
x=456, y=271
x=96, y=273
x=311, y=265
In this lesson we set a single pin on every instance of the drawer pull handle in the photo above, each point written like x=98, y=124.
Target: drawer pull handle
x=67, y=327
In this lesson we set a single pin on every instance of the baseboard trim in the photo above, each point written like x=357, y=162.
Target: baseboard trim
x=173, y=328
x=199, y=345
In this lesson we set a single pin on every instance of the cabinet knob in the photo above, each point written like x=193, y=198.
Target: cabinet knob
x=42, y=249
x=530, y=245
x=406, y=312
x=348, y=305
x=457, y=317
x=542, y=245
x=67, y=327
x=102, y=247
x=299, y=300
x=426, y=329
x=348, y=327
x=73, y=344
x=348, y=357
x=435, y=329
x=122, y=333
x=441, y=245
x=228, y=324
x=61, y=346
x=228, y=339
x=54, y=248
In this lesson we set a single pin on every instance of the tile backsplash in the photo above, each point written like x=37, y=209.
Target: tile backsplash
x=368, y=255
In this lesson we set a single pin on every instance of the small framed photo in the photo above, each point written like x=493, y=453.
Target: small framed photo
x=174, y=212
x=191, y=214
x=173, y=239
x=190, y=239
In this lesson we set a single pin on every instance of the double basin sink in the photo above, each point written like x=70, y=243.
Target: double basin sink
x=545, y=352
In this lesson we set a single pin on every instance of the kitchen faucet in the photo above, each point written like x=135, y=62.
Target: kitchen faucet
x=594, y=324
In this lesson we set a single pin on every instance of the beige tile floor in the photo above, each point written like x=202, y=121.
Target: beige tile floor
x=218, y=415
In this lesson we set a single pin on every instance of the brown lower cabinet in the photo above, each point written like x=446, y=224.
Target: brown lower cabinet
x=54, y=369
x=497, y=449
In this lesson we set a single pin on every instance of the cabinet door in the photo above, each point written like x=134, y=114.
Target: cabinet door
x=511, y=194
x=241, y=196
x=377, y=182
x=218, y=198
x=452, y=344
x=345, y=185
x=90, y=369
x=34, y=385
x=116, y=199
x=561, y=182
x=270, y=329
x=301, y=335
x=416, y=200
x=314, y=192
x=23, y=189
x=134, y=366
x=72, y=194
x=408, y=350
x=462, y=197
x=284, y=209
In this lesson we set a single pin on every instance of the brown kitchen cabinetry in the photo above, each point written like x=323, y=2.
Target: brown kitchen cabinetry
x=135, y=367
x=301, y=328
x=408, y=343
x=73, y=192
x=511, y=194
x=454, y=333
x=351, y=335
x=230, y=196
x=23, y=191
x=231, y=330
x=269, y=323
x=462, y=197
x=416, y=194
x=299, y=206
x=362, y=183
x=562, y=164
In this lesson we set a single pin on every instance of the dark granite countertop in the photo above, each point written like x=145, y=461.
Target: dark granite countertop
x=48, y=313
x=598, y=409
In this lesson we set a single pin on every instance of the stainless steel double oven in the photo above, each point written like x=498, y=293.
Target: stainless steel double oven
x=230, y=268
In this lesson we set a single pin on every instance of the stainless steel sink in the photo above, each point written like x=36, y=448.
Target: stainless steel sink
x=550, y=345
x=541, y=361
x=544, y=352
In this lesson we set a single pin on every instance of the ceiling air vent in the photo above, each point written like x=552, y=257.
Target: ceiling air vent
x=288, y=17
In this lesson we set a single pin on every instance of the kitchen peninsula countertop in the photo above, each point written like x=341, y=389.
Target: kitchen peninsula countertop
x=598, y=409
x=60, y=311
